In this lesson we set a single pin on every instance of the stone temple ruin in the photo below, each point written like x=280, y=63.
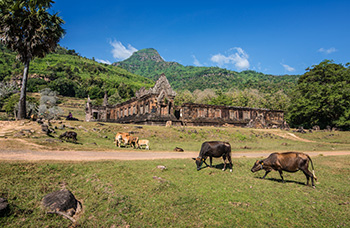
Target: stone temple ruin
x=155, y=106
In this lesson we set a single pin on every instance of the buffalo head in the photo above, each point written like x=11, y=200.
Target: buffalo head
x=199, y=162
x=258, y=165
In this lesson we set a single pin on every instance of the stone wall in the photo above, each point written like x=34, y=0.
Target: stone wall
x=155, y=106
x=208, y=115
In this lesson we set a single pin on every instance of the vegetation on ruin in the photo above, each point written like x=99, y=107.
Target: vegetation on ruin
x=137, y=194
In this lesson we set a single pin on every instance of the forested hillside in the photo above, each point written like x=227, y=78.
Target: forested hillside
x=149, y=63
x=68, y=73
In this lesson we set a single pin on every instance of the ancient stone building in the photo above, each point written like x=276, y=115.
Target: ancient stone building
x=155, y=106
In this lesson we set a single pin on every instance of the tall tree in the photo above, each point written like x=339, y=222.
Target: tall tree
x=27, y=28
x=322, y=97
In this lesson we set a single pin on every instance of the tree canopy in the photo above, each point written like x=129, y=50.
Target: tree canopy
x=322, y=97
x=27, y=28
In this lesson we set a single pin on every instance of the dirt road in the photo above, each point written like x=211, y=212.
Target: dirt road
x=26, y=155
x=14, y=149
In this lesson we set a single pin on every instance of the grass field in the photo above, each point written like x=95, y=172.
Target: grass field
x=137, y=194
x=100, y=136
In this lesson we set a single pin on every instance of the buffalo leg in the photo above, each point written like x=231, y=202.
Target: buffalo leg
x=230, y=162
x=205, y=163
x=308, y=174
x=281, y=174
x=265, y=174
x=224, y=158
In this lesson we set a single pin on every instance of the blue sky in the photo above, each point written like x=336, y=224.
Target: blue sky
x=274, y=37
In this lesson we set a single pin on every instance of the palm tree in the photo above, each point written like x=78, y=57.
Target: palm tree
x=27, y=28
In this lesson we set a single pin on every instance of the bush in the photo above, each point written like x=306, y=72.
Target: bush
x=64, y=87
x=34, y=85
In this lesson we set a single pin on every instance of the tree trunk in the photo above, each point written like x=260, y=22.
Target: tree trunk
x=22, y=100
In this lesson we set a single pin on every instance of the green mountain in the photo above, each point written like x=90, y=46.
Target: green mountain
x=72, y=75
x=148, y=63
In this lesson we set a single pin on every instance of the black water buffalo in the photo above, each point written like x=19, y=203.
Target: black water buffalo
x=69, y=135
x=289, y=161
x=214, y=149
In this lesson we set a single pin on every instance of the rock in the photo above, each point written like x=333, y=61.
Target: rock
x=53, y=140
x=83, y=128
x=178, y=149
x=4, y=206
x=45, y=128
x=168, y=123
x=70, y=127
x=246, y=147
x=162, y=167
x=61, y=201
x=61, y=127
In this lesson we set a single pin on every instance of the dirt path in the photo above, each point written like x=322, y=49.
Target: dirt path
x=25, y=155
x=14, y=149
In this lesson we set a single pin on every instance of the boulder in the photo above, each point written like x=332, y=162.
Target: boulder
x=178, y=149
x=4, y=206
x=62, y=202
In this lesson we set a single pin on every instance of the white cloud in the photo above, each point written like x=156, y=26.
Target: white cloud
x=120, y=52
x=103, y=61
x=239, y=58
x=195, y=61
x=327, y=51
x=288, y=68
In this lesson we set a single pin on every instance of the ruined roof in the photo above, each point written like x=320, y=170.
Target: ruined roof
x=162, y=85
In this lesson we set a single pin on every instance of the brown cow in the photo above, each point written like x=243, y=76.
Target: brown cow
x=120, y=138
x=143, y=142
x=289, y=161
x=132, y=141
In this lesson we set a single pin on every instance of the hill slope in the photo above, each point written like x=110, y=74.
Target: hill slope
x=72, y=75
x=148, y=63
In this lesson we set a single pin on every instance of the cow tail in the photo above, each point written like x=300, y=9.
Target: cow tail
x=313, y=170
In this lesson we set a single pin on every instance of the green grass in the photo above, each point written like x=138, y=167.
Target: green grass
x=100, y=136
x=121, y=193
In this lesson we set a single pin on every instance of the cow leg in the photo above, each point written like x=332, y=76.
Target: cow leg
x=224, y=158
x=308, y=174
x=230, y=162
x=265, y=174
x=211, y=161
x=206, y=163
x=281, y=174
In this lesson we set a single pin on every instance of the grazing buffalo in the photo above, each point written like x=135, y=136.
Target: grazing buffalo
x=132, y=141
x=214, y=149
x=143, y=142
x=289, y=161
x=69, y=135
x=121, y=137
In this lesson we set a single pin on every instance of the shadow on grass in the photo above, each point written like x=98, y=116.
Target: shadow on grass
x=280, y=180
x=219, y=166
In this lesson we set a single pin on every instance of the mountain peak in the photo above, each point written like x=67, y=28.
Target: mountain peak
x=146, y=54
